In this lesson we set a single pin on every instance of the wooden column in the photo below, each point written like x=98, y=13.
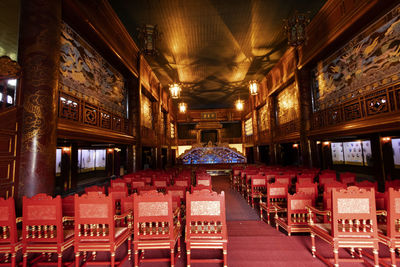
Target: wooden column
x=133, y=116
x=272, y=129
x=39, y=57
x=303, y=83
x=137, y=110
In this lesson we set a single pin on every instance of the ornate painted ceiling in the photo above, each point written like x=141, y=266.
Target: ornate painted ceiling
x=213, y=47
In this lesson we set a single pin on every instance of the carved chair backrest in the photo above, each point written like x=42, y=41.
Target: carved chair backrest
x=392, y=183
x=205, y=215
x=148, y=179
x=354, y=213
x=327, y=193
x=327, y=178
x=276, y=193
x=127, y=204
x=118, y=193
x=160, y=182
x=393, y=210
x=271, y=175
x=308, y=188
x=367, y=184
x=305, y=178
x=200, y=188
x=8, y=226
x=147, y=188
x=258, y=184
x=68, y=208
x=292, y=174
x=137, y=183
x=203, y=180
x=178, y=191
x=95, y=188
x=283, y=179
x=153, y=217
x=328, y=187
x=296, y=208
x=42, y=219
x=348, y=178
x=119, y=184
x=183, y=182
x=128, y=178
x=94, y=217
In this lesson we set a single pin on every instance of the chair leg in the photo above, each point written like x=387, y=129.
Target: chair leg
x=13, y=258
x=173, y=257
x=25, y=260
x=136, y=257
x=59, y=260
x=77, y=259
x=336, y=256
x=392, y=256
x=225, y=252
x=112, y=259
x=188, y=257
x=376, y=257
x=313, y=249
x=129, y=249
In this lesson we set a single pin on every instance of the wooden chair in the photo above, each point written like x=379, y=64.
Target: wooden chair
x=308, y=188
x=353, y=225
x=348, y=178
x=200, y=188
x=136, y=184
x=155, y=226
x=367, y=184
x=95, y=188
x=117, y=193
x=389, y=233
x=161, y=184
x=276, y=195
x=206, y=225
x=283, y=179
x=258, y=188
x=95, y=229
x=305, y=178
x=147, y=188
x=182, y=182
x=9, y=240
x=119, y=184
x=392, y=183
x=178, y=191
x=42, y=229
x=328, y=177
x=295, y=215
x=68, y=208
x=203, y=179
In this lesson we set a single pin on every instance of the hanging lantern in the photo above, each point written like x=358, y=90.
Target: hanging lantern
x=253, y=87
x=295, y=28
x=175, y=90
x=239, y=104
x=182, y=107
x=148, y=36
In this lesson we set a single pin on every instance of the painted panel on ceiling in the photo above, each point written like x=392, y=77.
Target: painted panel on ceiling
x=288, y=105
x=368, y=61
x=86, y=74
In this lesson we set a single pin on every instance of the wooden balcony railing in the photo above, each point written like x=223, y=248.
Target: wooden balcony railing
x=380, y=101
x=79, y=111
x=287, y=128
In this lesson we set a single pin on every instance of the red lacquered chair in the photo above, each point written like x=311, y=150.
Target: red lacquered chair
x=327, y=196
x=348, y=178
x=182, y=182
x=95, y=188
x=294, y=217
x=42, y=229
x=200, y=188
x=353, y=225
x=119, y=184
x=95, y=229
x=117, y=194
x=258, y=188
x=389, y=233
x=328, y=177
x=276, y=195
x=137, y=183
x=178, y=191
x=68, y=207
x=392, y=183
x=128, y=178
x=203, y=180
x=206, y=225
x=367, y=184
x=155, y=226
x=305, y=178
x=283, y=179
x=145, y=189
x=161, y=184
x=9, y=242
x=308, y=188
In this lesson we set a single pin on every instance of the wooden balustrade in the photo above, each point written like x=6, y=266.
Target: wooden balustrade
x=79, y=111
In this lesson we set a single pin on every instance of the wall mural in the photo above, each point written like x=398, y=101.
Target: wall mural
x=147, y=112
x=263, y=118
x=86, y=74
x=288, y=105
x=368, y=61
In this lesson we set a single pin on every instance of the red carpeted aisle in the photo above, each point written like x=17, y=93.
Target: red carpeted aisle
x=251, y=242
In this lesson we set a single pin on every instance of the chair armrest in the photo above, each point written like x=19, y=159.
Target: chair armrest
x=317, y=211
x=68, y=218
x=279, y=208
x=122, y=216
x=18, y=219
x=177, y=211
x=381, y=213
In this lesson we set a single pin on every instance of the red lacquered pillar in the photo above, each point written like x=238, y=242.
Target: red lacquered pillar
x=39, y=57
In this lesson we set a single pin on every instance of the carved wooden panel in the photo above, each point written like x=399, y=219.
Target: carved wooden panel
x=205, y=208
x=287, y=104
x=147, y=112
x=353, y=205
x=93, y=210
x=263, y=118
x=41, y=212
x=369, y=61
x=84, y=72
x=153, y=209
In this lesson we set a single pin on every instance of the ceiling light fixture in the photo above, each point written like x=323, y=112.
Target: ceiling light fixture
x=295, y=28
x=175, y=90
x=253, y=87
x=148, y=36
x=182, y=107
x=239, y=104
